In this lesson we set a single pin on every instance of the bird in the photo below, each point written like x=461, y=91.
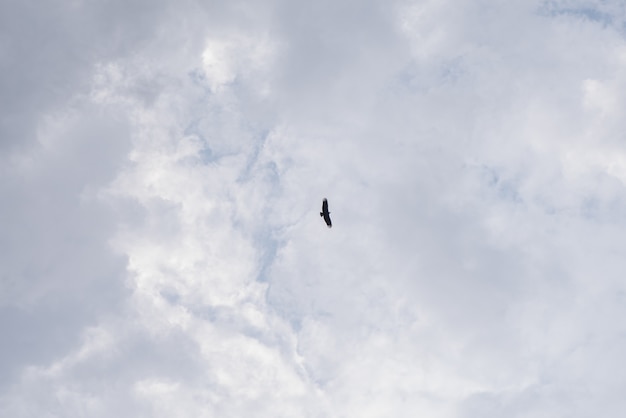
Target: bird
x=325, y=213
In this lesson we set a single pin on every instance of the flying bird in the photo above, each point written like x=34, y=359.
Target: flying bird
x=325, y=213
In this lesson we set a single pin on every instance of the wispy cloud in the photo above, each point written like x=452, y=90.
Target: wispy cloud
x=163, y=171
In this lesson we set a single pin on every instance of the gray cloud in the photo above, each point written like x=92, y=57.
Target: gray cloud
x=163, y=170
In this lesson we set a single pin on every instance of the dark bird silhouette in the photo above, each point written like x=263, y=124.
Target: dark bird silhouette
x=325, y=213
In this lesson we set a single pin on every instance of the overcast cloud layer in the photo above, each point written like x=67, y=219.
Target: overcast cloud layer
x=162, y=169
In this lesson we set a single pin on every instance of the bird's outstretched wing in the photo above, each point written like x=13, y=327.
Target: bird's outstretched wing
x=327, y=220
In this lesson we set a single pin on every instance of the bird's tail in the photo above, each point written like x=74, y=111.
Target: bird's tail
x=321, y=214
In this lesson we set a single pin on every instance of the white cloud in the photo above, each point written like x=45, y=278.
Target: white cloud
x=163, y=250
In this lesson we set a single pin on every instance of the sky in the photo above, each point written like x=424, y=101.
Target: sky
x=162, y=168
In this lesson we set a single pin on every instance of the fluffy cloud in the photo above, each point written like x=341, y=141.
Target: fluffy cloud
x=163, y=173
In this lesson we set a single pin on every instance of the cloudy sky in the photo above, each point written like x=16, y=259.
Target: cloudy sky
x=162, y=169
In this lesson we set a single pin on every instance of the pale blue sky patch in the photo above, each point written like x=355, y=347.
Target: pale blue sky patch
x=594, y=11
x=505, y=188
